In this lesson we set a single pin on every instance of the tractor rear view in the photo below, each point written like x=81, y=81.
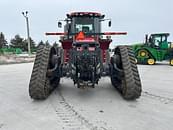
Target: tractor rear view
x=155, y=48
x=84, y=57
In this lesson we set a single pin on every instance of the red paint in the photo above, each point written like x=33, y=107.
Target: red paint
x=104, y=45
x=66, y=56
x=86, y=39
x=55, y=33
x=66, y=44
x=115, y=33
x=80, y=37
x=104, y=55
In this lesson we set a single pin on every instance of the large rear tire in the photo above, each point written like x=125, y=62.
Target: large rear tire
x=41, y=85
x=125, y=76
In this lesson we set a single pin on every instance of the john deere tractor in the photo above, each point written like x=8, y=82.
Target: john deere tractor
x=155, y=48
x=84, y=57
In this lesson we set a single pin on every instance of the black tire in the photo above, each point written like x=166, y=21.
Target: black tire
x=129, y=83
x=40, y=85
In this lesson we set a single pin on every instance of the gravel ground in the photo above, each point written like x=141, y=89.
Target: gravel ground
x=101, y=108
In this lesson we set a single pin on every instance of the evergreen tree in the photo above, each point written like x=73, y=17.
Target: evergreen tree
x=25, y=44
x=3, y=42
x=17, y=42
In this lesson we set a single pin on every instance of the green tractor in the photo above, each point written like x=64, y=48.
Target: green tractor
x=155, y=48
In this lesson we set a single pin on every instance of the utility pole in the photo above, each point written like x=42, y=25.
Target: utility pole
x=25, y=14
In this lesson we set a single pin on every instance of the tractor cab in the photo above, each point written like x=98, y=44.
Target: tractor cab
x=159, y=41
x=87, y=22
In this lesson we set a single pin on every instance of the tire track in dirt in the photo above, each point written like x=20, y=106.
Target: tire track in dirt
x=162, y=99
x=71, y=119
x=1, y=125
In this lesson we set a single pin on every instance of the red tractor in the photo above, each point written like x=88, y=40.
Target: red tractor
x=84, y=57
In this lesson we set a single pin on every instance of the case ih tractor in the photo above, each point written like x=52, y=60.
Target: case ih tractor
x=84, y=57
x=155, y=48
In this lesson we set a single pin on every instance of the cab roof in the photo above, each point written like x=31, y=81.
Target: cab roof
x=85, y=14
x=160, y=34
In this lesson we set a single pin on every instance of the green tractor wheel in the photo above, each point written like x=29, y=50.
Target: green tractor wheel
x=142, y=53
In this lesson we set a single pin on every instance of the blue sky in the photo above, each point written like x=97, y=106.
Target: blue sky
x=137, y=17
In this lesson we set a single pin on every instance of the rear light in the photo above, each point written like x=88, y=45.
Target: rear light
x=91, y=48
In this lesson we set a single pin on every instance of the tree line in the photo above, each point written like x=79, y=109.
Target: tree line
x=19, y=42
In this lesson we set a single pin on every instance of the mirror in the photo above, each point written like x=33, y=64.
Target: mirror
x=109, y=24
x=59, y=24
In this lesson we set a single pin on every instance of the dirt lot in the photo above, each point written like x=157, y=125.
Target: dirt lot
x=101, y=108
x=11, y=59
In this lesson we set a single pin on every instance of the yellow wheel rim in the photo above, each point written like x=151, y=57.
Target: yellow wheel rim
x=171, y=62
x=151, y=61
x=143, y=53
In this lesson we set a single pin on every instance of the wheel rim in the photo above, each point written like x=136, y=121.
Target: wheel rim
x=171, y=62
x=143, y=54
x=151, y=61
